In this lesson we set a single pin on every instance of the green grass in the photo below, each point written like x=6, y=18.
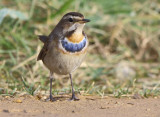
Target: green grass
x=123, y=35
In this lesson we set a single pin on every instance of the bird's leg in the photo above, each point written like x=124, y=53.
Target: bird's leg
x=51, y=79
x=73, y=93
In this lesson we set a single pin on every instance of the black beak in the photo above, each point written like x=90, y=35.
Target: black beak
x=85, y=20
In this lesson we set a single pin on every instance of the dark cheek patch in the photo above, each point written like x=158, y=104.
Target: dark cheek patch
x=73, y=47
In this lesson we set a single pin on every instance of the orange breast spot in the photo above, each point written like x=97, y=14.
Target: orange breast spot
x=76, y=38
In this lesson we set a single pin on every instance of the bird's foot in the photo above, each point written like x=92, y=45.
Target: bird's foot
x=74, y=98
x=50, y=99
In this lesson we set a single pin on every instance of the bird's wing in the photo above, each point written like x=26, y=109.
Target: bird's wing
x=47, y=40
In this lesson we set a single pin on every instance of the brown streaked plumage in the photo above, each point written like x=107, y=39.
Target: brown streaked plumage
x=65, y=47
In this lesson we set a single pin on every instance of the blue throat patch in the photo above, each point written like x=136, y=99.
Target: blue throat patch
x=73, y=47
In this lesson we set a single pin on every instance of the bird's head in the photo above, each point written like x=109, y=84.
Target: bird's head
x=72, y=22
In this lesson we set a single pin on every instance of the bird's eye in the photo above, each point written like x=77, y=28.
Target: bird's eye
x=70, y=20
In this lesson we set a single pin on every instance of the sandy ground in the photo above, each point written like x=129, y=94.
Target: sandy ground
x=88, y=106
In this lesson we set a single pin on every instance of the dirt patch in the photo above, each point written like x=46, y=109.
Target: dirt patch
x=88, y=106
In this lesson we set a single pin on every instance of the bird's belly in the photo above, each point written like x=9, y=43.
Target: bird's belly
x=62, y=63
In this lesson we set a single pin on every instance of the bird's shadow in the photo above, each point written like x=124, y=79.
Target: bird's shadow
x=59, y=98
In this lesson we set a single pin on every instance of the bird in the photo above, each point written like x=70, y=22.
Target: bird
x=65, y=48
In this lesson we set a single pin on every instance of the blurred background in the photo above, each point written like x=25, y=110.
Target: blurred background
x=123, y=56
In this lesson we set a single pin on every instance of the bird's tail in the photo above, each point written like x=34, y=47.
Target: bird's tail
x=43, y=38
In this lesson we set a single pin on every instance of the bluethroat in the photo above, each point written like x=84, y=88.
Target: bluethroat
x=65, y=47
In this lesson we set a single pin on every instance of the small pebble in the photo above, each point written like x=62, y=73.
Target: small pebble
x=24, y=111
x=148, y=109
x=130, y=103
x=17, y=101
x=102, y=107
x=6, y=111
x=6, y=97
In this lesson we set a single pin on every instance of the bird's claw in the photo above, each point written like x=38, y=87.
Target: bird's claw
x=74, y=98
